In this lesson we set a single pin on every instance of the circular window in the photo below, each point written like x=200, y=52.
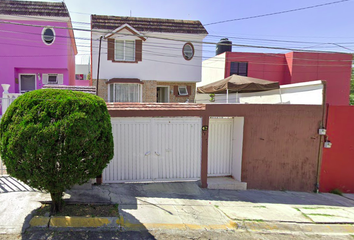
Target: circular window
x=188, y=51
x=48, y=35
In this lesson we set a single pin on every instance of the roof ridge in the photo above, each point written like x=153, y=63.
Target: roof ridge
x=147, y=18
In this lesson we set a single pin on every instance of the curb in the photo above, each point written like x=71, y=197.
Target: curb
x=75, y=222
x=308, y=228
x=115, y=222
x=120, y=223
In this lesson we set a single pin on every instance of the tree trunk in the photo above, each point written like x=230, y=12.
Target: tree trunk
x=57, y=202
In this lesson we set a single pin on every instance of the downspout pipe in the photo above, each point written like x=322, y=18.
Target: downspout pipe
x=323, y=124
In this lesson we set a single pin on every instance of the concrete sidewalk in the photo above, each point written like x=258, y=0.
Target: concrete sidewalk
x=185, y=206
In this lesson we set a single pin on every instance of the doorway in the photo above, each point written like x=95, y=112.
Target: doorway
x=162, y=94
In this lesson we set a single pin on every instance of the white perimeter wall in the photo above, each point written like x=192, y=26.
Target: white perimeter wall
x=237, y=142
x=310, y=93
x=162, y=59
x=213, y=69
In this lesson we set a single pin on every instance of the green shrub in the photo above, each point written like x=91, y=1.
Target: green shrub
x=336, y=191
x=52, y=139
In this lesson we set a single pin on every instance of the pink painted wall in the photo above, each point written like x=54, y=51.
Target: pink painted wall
x=82, y=82
x=23, y=51
x=295, y=67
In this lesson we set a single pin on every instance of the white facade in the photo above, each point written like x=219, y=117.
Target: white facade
x=82, y=69
x=213, y=69
x=162, y=58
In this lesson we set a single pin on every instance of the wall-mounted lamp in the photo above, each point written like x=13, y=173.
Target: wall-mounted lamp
x=39, y=76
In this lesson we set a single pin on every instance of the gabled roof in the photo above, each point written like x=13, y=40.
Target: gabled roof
x=32, y=8
x=148, y=24
x=126, y=27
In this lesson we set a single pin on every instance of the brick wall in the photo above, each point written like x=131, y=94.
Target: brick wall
x=174, y=96
x=149, y=90
x=102, y=88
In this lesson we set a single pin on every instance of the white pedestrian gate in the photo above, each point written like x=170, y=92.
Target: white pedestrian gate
x=148, y=149
x=220, y=146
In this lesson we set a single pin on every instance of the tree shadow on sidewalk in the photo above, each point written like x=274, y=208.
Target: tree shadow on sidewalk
x=127, y=195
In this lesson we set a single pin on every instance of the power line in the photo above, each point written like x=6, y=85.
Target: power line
x=173, y=39
x=276, y=13
x=151, y=52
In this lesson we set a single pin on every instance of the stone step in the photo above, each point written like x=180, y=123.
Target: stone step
x=226, y=183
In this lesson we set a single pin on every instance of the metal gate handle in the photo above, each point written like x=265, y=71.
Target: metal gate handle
x=158, y=154
x=147, y=153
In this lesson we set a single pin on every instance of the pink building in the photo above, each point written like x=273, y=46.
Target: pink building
x=36, y=46
x=292, y=67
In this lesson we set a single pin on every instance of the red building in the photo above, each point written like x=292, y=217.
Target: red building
x=292, y=67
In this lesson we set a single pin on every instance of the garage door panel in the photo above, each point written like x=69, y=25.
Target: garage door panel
x=131, y=160
x=155, y=148
x=179, y=147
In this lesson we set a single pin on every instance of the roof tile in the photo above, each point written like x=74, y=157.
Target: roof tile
x=148, y=24
x=33, y=8
x=155, y=106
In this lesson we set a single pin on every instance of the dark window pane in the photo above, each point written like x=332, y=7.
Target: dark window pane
x=239, y=68
x=48, y=36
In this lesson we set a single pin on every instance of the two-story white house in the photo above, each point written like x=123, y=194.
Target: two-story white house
x=146, y=59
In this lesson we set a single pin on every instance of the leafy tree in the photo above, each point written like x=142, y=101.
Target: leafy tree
x=52, y=139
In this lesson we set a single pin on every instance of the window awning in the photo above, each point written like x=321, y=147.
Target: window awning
x=124, y=80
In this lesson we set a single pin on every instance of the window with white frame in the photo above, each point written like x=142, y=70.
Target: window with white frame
x=125, y=92
x=52, y=79
x=124, y=50
x=182, y=90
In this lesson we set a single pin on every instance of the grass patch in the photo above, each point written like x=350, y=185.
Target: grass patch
x=321, y=214
x=217, y=206
x=319, y=208
x=303, y=214
x=259, y=206
x=336, y=191
x=253, y=220
x=81, y=210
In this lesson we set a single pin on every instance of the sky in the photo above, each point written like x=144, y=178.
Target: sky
x=325, y=28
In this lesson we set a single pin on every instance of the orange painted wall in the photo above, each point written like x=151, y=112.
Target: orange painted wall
x=337, y=169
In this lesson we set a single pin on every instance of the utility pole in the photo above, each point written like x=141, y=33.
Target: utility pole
x=98, y=65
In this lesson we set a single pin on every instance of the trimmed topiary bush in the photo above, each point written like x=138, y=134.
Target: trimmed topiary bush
x=52, y=139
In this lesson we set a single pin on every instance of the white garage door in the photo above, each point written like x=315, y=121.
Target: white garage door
x=148, y=149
